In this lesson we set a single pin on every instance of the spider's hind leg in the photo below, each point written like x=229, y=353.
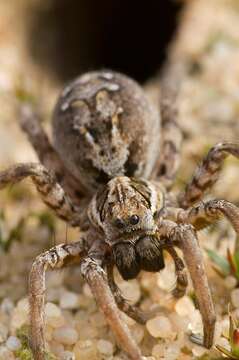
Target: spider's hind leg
x=170, y=151
x=30, y=122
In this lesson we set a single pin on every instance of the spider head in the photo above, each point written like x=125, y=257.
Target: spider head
x=125, y=210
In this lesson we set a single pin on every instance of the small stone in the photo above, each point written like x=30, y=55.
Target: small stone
x=195, y=324
x=56, y=348
x=184, y=306
x=158, y=351
x=166, y=279
x=23, y=305
x=198, y=351
x=172, y=352
x=65, y=335
x=86, y=350
x=18, y=319
x=7, y=306
x=137, y=332
x=3, y=333
x=69, y=300
x=54, y=316
x=230, y=282
x=87, y=291
x=13, y=343
x=235, y=297
x=130, y=291
x=67, y=355
x=224, y=343
x=105, y=347
x=6, y=354
x=160, y=327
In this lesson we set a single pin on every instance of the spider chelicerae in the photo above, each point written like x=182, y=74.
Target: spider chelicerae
x=110, y=172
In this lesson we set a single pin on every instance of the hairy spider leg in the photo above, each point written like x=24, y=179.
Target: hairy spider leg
x=51, y=192
x=207, y=173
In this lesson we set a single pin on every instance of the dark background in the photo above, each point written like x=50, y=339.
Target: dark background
x=74, y=36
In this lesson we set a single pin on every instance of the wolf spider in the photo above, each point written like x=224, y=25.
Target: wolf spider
x=108, y=141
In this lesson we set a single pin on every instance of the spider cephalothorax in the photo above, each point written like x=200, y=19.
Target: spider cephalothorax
x=126, y=212
x=110, y=173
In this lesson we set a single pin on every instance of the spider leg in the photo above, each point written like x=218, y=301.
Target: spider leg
x=207, y=173
x=31, y=124
x=169, y=160
x=186, y=239
x=51, y=192
x=181, y=274
x=97, y=280
x=55, y=258
x=206, y=213
x=132, y=311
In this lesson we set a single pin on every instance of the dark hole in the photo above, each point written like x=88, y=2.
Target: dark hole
x=162, y=170
x=69, y=37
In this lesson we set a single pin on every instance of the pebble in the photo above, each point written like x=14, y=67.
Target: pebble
x=166, y=279
x=13, y=343
x=198, y=351
x=105, y=347
x=130, y=291
x=23, y=305
x=54, y=316
x=7, y=306
x=65, y=335
x=3, y=333
x=160, y=327
x=172, y=352
x=67, y=355
x=230, y=282
x=184, y=306
x=137, y=332
x=195, y=325
x=86, y=350
x=158, y=351
x=235, y=297
x=6, y=354
x=69, y=300
x=87, y=291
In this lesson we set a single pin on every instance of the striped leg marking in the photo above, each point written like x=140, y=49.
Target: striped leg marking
x=207, y=173
x=51, y=192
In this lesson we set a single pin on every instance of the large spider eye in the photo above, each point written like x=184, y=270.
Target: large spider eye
x=134, y=219
x=119, y=223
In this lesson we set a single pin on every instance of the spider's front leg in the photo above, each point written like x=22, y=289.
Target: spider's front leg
x=51, y=192
x=55, y=258
x=97, y=280
x=187, y=240
x=207, y=173
x=206, y=213
x=184, y=236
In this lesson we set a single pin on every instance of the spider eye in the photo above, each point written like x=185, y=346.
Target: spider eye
x=119, y=223
x=134, y=219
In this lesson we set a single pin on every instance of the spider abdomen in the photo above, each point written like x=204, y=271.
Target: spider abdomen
x=103, y=127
